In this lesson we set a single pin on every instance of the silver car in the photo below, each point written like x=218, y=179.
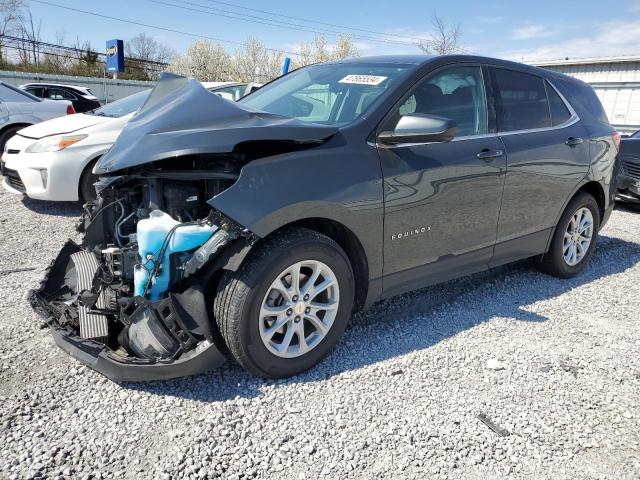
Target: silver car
x=19, y=109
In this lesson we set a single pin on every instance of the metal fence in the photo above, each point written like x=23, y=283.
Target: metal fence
x=106, y=89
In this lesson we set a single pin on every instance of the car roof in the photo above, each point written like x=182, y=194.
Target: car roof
x=423, y=60
x=45, y=84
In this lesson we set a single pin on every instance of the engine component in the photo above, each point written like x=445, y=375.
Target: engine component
x=166, y=328
x=158, y=237
x=182, y=200
x=206, y=251
x=92, y=325
x=148, y=336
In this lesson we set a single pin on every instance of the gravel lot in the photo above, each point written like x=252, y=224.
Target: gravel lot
x=553, y=364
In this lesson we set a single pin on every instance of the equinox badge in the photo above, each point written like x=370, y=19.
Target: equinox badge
x=410, y=233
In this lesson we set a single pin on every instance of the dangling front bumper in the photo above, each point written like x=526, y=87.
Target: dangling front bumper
x=97, y=355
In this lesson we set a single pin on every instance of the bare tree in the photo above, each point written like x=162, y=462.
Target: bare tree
x=253, y=62
x=319, y=50
x=444, y=39
x=204, y=60
x=30, y=33
x=11, y=12
x=147, y=49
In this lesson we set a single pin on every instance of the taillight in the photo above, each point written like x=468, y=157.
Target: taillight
x=70, y=109
x=616, y=140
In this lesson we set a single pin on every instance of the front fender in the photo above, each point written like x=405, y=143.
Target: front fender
x=340, y=184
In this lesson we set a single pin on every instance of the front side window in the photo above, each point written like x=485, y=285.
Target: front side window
x=521, y=101
x=329, y=94
x=232, y=93
x=37, y=91
x=457, y=93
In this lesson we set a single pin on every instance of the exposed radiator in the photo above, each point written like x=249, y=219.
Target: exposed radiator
x=92, y=325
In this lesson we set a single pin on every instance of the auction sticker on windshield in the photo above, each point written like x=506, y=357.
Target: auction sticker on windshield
x=364, y=79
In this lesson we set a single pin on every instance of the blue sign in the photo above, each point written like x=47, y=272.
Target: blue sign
x=285, y=66
x=115, y=56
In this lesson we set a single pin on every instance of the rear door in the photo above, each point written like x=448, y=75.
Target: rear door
x=442, y=199
x=547, y=156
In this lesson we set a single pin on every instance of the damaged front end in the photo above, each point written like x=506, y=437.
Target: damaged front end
x=131, y=301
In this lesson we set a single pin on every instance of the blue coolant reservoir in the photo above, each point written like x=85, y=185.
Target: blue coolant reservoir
x=151, y=234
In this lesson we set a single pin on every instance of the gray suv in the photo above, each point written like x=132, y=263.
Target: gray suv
x=253, y=230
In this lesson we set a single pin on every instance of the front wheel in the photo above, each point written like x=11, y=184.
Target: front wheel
x=574, y=239
x=287, y=305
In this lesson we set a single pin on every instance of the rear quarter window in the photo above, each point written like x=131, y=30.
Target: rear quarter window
x=583, y=97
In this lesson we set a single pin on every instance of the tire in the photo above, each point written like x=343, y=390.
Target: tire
x=241, y=296
x=7, y=134
x=86, y=190
x=554, y=262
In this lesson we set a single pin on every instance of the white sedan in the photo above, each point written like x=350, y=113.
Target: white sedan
x=54, y=160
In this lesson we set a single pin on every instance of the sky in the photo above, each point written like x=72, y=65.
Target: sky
x=522, y=31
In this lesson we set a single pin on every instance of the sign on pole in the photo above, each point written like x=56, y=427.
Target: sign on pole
x=115, y=56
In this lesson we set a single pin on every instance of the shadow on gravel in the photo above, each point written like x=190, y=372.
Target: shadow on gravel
x=416, y=321
x=628, y=207
x=64, y=209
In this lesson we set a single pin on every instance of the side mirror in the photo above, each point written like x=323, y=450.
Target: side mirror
x=420, y=128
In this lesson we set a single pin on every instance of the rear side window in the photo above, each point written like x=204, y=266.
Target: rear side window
x=559, y=111
x=521, y=101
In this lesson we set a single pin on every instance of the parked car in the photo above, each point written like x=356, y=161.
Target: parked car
x=629, y=178
x=19, y=109
x=255, y=229
x=54, y=160
x=82, y=98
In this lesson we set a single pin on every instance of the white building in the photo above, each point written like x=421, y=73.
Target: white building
x=616, y=80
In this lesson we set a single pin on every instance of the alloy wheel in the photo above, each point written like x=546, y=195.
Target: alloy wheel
x=299, y=308
x=577, y=237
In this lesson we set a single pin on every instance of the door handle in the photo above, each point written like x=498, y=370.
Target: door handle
x=488, y=155
x=573, y=141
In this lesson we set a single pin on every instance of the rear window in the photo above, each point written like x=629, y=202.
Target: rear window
x=521, y=101
x=559, y=111
x=9, y=93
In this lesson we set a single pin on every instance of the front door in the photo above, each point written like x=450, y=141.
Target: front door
x=442, y=200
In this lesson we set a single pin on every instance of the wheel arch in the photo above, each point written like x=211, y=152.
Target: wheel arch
x=596, y=191
x=351, y=245
x=235, y=254
x=14, y=125
x=92, y=159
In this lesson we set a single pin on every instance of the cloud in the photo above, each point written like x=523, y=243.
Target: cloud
x=611, y=38
x=531, y=31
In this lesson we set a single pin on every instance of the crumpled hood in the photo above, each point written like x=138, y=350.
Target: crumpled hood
x=62, y=125
x=181, y=117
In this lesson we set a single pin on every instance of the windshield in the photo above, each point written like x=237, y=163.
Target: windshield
x=636, y=135
x=124, y=106
x=329, y=94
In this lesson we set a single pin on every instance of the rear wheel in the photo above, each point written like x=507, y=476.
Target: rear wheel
x=574, y=239
x=287, y=305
